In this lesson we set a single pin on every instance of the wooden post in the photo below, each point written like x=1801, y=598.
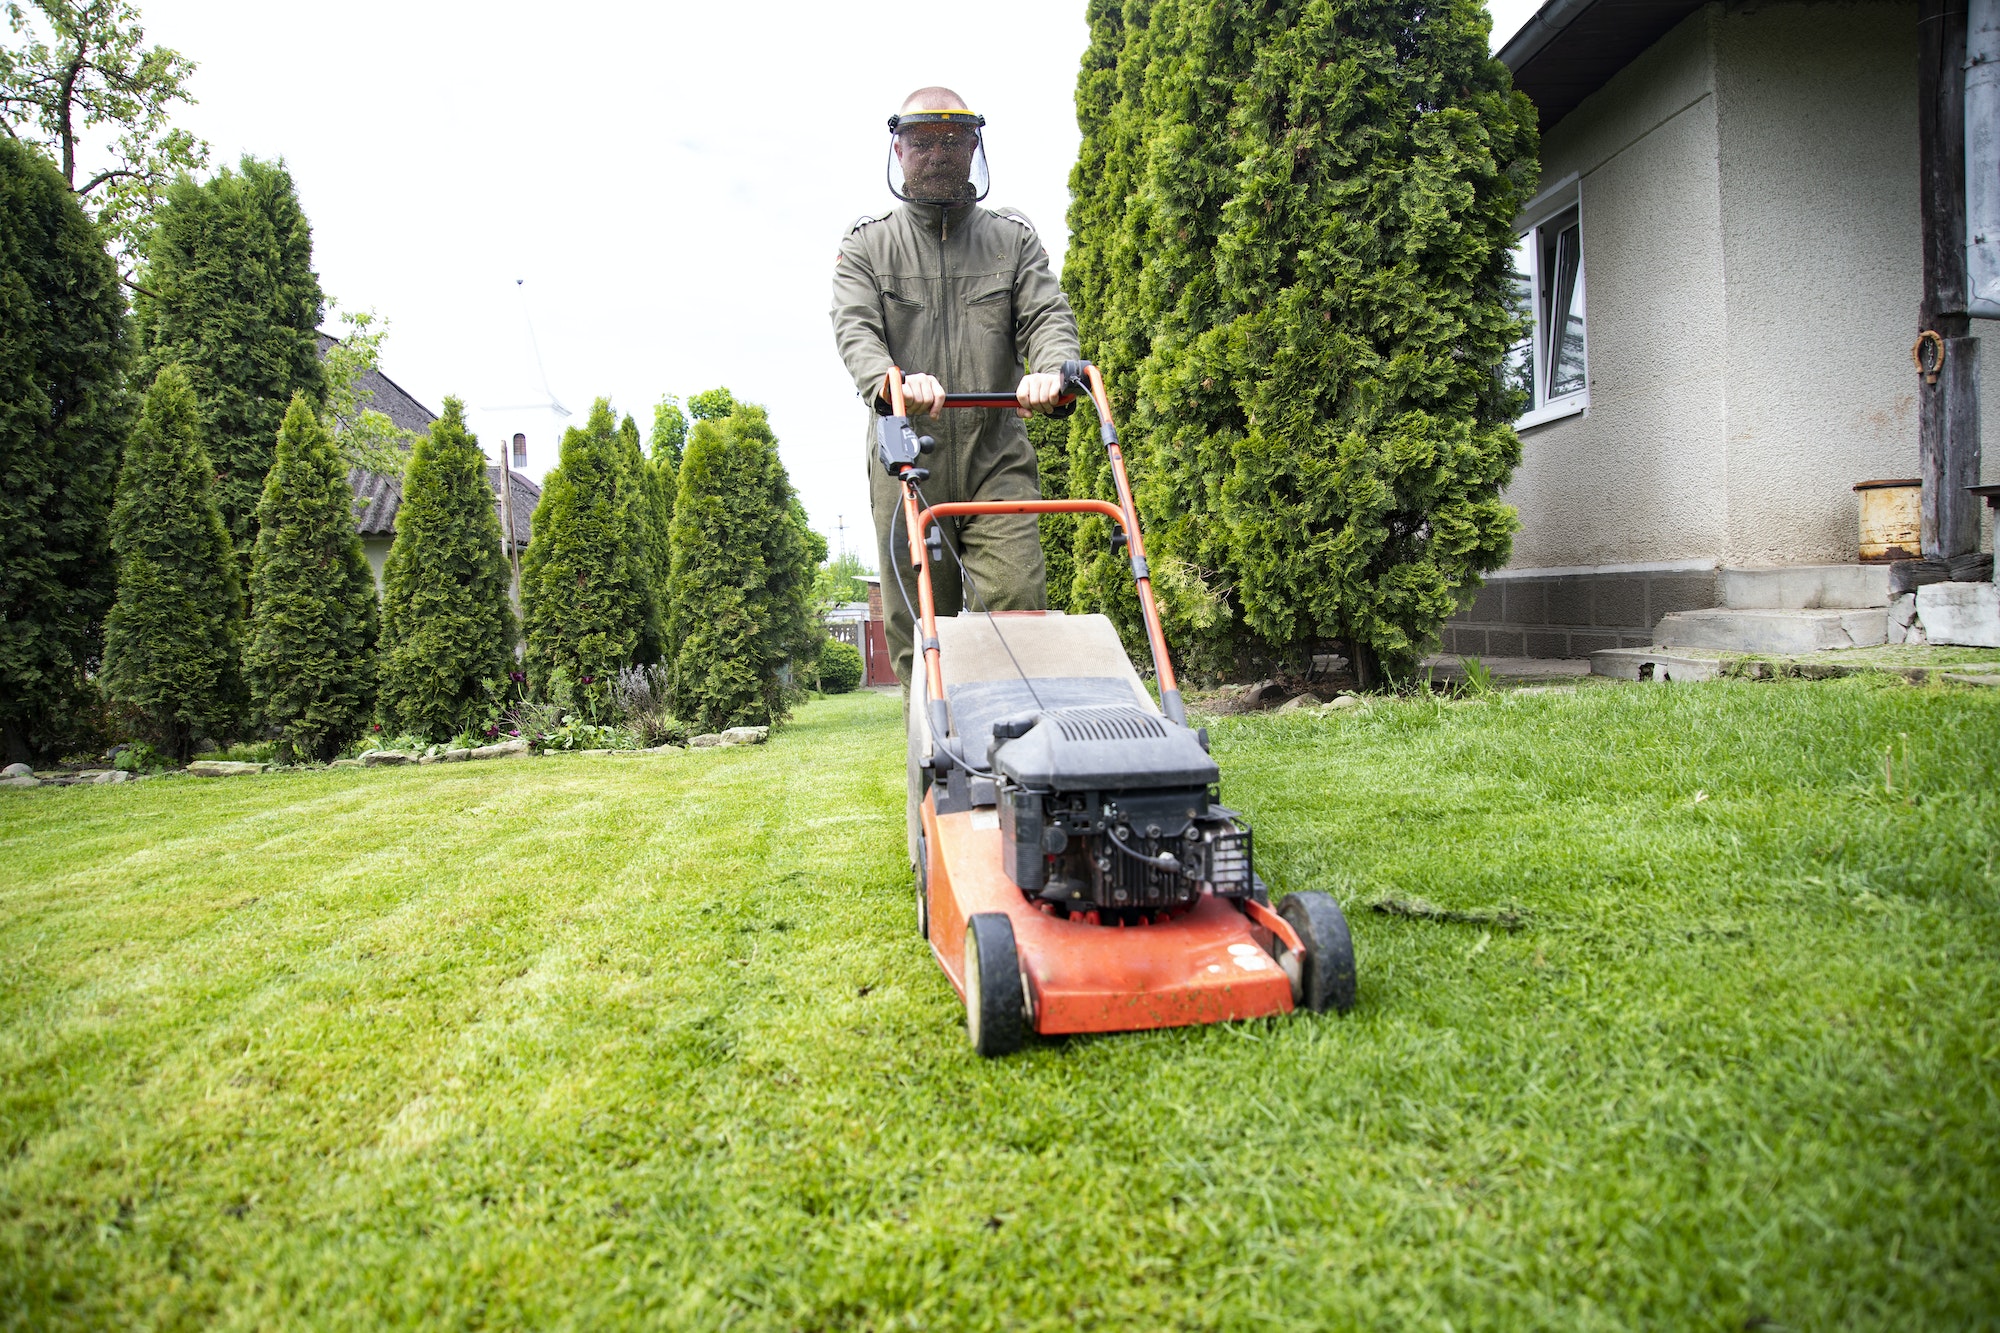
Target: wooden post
x=1948, y=408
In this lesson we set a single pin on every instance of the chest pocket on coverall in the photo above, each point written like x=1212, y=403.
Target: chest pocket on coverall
x=904, y=322
x=989, y=318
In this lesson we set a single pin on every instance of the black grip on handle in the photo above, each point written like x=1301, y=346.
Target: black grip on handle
x=1074, y=378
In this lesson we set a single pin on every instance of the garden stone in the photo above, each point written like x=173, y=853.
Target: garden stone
x=667, y=748
x=596, y=754
x=1300, y=704
x=500, y=751
x=222, y=768
x=20, y=779
x=706, y=741
x=386, y=758
x=346, y=763
x=115, y=775
x=746, y=735
x=17, y=771
x=1344, y=701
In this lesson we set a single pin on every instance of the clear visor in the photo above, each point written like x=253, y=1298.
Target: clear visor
x=932, y=163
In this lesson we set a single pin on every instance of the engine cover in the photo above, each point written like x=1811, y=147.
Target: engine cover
x=1109, y=810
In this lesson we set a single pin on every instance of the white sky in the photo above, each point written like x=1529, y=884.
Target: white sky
x=668, y=180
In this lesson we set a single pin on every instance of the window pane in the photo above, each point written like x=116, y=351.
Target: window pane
x=1562, y=306
x=1518, y=369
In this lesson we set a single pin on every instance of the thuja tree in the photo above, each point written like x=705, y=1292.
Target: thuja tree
x=173, y=638
x=638, y=492
x=447, y=624
x=744, y=562
x=227, y=291
x=1315, y=304
x=62, y=424
x=313, y=613
x=582, y=587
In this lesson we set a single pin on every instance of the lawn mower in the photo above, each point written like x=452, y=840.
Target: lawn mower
x=1076, y=871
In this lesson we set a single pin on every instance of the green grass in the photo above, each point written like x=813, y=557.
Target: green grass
x=594, y=1042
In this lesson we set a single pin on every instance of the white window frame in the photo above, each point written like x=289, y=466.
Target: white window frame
x=1546, y=207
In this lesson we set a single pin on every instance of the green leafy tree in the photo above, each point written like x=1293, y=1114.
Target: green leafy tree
x=79, y=83
x=582, y=585
x=62, y=423
x=367, y=438
x=447, y=623
x=713, y=405
x=174, y=636
x=1307, y=312
x=839, y=580
x=670, y=431
x=639, y=493
x=228, y=292
x=744, y=560
x=313, y=615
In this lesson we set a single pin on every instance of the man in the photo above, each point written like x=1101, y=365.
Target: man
x=956, y=296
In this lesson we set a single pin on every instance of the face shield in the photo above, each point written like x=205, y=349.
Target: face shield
x=937, y=157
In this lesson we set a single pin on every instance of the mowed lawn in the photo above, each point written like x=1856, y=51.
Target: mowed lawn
x=601, y=1042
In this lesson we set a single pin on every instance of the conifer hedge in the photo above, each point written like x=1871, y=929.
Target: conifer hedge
x=63, y=354
x=744, y=559
x=582, y=583
x=313, y=613
x=638, y=491
x=1292, y=229
x=227, y=291
x=447, y=624
x=173, y=640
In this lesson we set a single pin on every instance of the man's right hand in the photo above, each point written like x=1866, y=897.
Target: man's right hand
x=923, y=394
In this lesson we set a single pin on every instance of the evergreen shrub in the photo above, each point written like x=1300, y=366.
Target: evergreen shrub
x=743, y=569
x=447, y=623
x=1292, y=255
x=174, y=636
x=314, y=620
x=840, y=667
x=639, y=493
x=227, y=291
x=582, y=583
x=62, y=424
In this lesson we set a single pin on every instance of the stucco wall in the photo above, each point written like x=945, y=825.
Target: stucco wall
x=1752, y=271
x=1639, y=477
x=1823, y=269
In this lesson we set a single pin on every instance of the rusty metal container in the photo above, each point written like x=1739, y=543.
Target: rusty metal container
x=1892, y=515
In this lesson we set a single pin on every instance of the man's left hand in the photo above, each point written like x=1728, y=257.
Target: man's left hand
x=1038, y=393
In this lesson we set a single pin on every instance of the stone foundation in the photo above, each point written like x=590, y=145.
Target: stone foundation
x=1575, y=615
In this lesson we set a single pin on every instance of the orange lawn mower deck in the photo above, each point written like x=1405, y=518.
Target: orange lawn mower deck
x=1075, y=870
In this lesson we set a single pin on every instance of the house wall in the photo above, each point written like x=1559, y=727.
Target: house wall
x=1752, y=273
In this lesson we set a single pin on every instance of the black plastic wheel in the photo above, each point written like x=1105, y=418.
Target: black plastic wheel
x=1327, y=970
x=923, y=886
x=995, y=1008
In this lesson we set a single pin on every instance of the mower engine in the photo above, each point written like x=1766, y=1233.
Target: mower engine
x=1112, y=809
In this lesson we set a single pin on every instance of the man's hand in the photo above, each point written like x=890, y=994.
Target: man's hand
x=922, y=394
x=1038, y=393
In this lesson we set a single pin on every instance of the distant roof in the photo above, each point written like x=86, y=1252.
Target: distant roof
x=1571, y=48
x=380, y=496
x=379, y=393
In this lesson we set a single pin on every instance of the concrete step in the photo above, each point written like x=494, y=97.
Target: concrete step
x=1769, y=631
x=1806, y=587
x=1655, y=664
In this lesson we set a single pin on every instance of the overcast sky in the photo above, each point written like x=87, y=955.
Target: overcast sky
x=657, y=190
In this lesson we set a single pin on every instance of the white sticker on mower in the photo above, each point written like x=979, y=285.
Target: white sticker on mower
x=1249, y=957
x=983, y=819
x=1242, y=950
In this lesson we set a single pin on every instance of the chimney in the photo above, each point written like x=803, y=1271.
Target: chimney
x=520, y=452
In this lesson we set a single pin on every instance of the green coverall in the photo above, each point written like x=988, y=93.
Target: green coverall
x=963, y=293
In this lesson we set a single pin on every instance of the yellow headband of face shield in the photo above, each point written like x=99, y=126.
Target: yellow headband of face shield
x=909, y=118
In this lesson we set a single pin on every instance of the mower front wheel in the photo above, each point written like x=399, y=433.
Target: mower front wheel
x=995, y=1005
x=923, y=886
x=1327, y=970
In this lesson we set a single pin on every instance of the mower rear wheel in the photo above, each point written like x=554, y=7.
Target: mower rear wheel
x=1327, y=970
x=923, y=886
x=995, y=1007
